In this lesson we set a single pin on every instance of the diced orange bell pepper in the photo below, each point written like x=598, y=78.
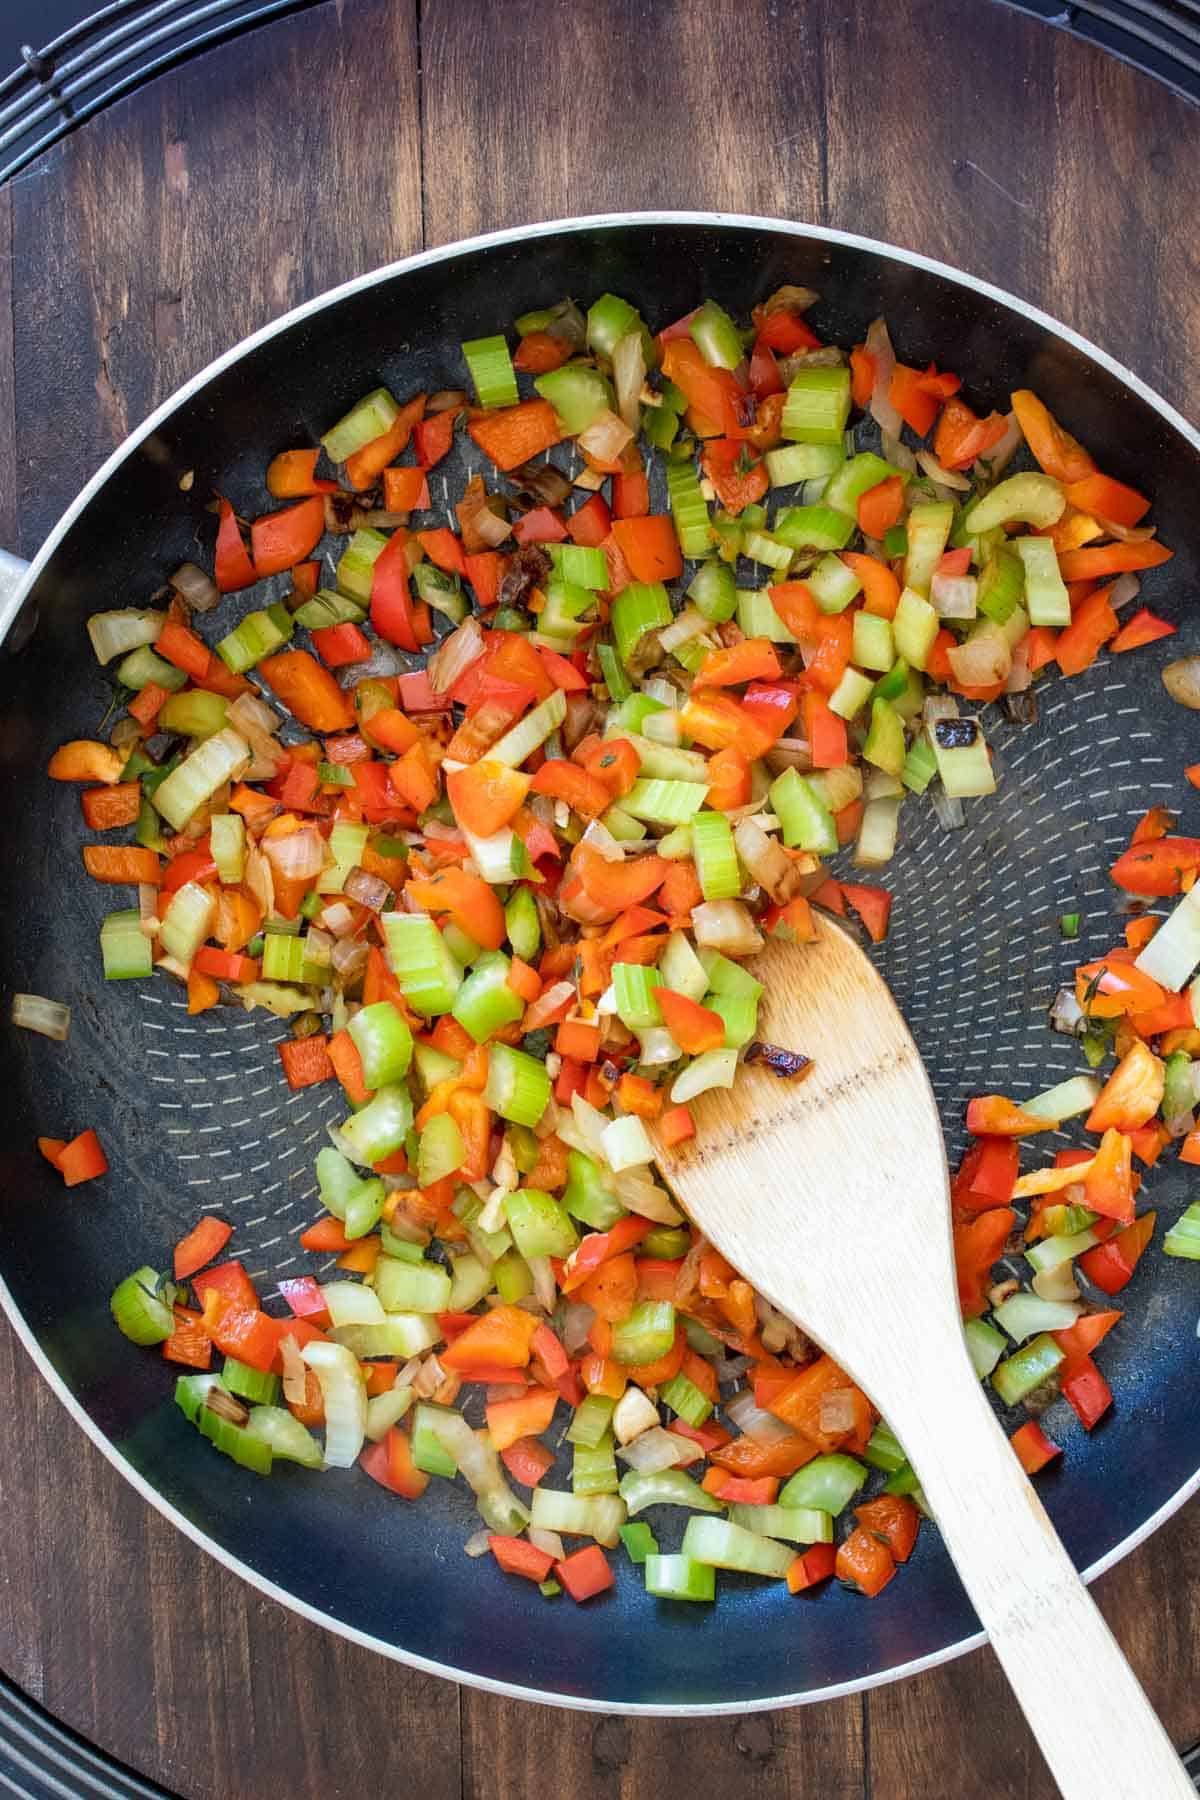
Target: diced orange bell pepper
x=864, y=1562
x=502, y=1336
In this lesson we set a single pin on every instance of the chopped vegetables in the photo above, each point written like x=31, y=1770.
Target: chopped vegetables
x=507, y=901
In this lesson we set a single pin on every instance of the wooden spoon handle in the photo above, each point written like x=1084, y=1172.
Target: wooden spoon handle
x=1083, y=1702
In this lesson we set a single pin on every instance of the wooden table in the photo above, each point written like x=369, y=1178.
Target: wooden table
x=292, y=159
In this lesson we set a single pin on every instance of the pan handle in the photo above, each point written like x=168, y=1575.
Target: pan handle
x=17, y=621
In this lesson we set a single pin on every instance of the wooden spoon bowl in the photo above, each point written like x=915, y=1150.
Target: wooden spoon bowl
x=830, y=1194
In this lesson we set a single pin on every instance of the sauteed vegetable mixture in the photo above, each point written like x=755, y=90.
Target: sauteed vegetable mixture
x=493, y=789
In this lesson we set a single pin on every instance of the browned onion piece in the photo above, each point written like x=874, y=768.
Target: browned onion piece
x=371, y=891
x=199, y=590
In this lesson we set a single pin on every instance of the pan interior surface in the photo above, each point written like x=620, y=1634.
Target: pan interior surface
x=195, y=1115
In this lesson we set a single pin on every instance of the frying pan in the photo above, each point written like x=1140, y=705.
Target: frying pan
x=194, y=1113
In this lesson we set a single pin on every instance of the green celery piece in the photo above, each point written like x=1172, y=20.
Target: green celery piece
x=639, y=1541
x=594, y=1468
x=885, y=740
x=827, y=1483
x=578, y=393
x=383, y=1041
x=491, y=371
x=539, y=1224
x=1183, y=1239
x=645, y=1334
x=485, y=1003
x=677, y=1577
x=366, y=421
x=817, y=406
x=1026, y=1369
x=587, y=1196
x=665, y=1487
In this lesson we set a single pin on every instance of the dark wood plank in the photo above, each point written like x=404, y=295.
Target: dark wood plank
x=195, y=212
x=812, y=1750
x=623, y=105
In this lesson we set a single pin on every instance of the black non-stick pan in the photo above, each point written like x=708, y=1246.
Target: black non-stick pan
x=195, y=1115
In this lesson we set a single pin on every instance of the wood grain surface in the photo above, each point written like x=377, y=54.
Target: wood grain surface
x=305, y=153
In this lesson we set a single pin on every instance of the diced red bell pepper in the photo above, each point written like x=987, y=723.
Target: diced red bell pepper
x=205, y=1240
x=586, y=1573
x=1033, y=1447
x=304, y=1297
x=82, y=1159
x=517, y=1556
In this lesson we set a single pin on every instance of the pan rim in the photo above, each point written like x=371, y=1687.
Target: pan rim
x=10, y=610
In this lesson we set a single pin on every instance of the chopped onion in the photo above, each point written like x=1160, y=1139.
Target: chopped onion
x=49, y=1018
x=454, y=654
x=148, y=908
x=482, y=527
x=763, y=1427
x=993, y=465
x=116, y=633
x=732, y=1368
x=298, y=856
x=897, y=453
x=198, y=589
x=1182, y=681
x=577, y=1321
x=837, y=1410
x=629, y=372
x=337, y=918
x=601, y=838
x=605, y=437
x=953, y=596
x=295, y=1373
x=879, y=347
x=790, y=753
x=545, y=1290
x=981, y=660
x=1127, y=534
x=344, y=1393
x=947, y=478
x=658, y=1449
x=446, y=400
x=479, y=1542
x=549, y=1541
x=348, y=958
x=249, y=713
x=644, y=1198
x=1020, y=676
x=541, y=484
x=726, y=925
x=1125, y=588
x=767, y=861
x=947, y=810
x=371, y=891
x=259, y=879
x=690, y=623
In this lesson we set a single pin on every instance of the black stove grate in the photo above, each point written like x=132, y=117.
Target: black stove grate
x=1159, y=36
x=99, y=55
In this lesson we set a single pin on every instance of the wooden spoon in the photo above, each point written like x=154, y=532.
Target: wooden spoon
x=830, y=1194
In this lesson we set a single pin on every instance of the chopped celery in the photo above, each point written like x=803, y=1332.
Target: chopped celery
x=518, y=1087
x=124, y=947
x=806, y=821
x=1028, y=499
x=1183, y=1239
x=740, y=1014
x=598, y=1516
x=637, y=609
x=728, y=1546
x=401, y=1334
x=792, y=463
x=347, y=841
x=928, y=528
x=1066, y=1100
x=665, y=1487
x=663, y=802
x=716, y=335
x=615, y=678
x=421, y=1287
x=915, y=626
x=817, y=405
x=260, y=634
x=677, y=1577
x=985, y=1346
x=634, y=988
x=1001, y=586
x=681, y=969
x=328, y=608
x=885, y=739
x=485, y=1003
x=227, y=836
x=591, y=1421
x=813, y=528
x=429, y=1454
x=854, y=479
x=684, y=1398
x=356, y=565
x=255, y=1385
x=797, y=1524
x=594, y=1468
x=625, y=1144
x=645, y=1334
x=761, y=547
x=531, y=731
x=827, y=1483
x=139, y=1312
x=369, y=419
x=920, y=765
x=209, y=766
x=187, y=921
x=688, y=508
x=962, y=757
x=883, y=1450
x=512, y=1277
x=587, y=1196
x=1171, y=956
x=1046, y=598
x=757, y=617
x=1026, y=1369
x=609, y=319
x=852, y=691
x=1023, y=1315
x=639, y=1541
x=379, y=1128
x=539, y=1224
x=578, y=394
x=441, y=590
x=144, y=665
x=440, y=1151
x=1058, y=1248
x=191, y=1396
x=428, y=975
x=383, y=1041
x=716, y=859
x=714, y=590
x=492, y=371
x=283, y=1435
x=874, y=645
